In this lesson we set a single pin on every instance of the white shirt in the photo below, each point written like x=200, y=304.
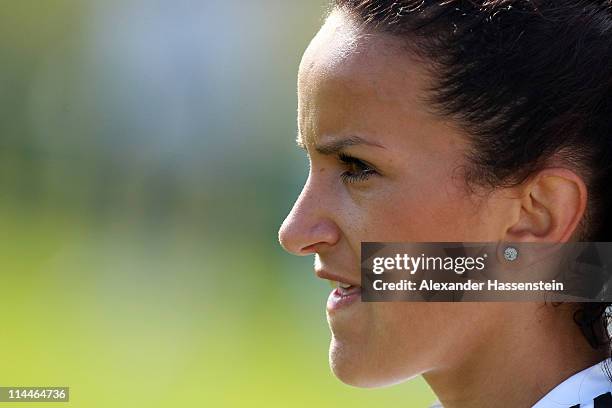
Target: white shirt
x=589, y=388
x=581, y=390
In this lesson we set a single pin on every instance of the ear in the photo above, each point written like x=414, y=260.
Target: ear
x=552, y=203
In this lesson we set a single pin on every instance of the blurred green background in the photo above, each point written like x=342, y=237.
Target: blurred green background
x=147, y=159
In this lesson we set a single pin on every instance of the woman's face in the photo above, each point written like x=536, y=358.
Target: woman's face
x=383, y=168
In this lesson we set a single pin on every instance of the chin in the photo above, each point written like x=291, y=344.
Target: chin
x=353, y=365
x=347, y=366
x=359, y=365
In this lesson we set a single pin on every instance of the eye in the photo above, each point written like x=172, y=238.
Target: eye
x=356, y=169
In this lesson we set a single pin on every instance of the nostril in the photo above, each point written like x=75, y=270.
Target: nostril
x=309, y=249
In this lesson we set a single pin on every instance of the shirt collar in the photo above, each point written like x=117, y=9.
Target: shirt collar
x=580, y=388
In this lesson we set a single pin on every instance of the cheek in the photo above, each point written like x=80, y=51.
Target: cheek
x=407, y=331
x=427, y=212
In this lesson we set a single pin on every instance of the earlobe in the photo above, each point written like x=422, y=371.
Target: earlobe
x=552, y=204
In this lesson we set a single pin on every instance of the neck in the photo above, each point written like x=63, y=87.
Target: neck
x=518, y=365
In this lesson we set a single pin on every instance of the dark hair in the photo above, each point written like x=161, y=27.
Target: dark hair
x=529, y=81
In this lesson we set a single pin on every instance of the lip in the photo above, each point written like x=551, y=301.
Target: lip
x=333, y=277
x=340, y=298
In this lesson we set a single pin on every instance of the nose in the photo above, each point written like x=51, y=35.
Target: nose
x=309, y=227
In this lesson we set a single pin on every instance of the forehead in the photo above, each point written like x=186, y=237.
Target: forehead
x=351, y=80
x=337, y=42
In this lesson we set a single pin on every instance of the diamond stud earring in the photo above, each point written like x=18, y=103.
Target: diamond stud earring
x=510, y=254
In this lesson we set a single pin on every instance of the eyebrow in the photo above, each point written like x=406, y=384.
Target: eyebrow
x=337, y=146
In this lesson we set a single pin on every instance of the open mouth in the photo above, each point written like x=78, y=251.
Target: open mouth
x=344, y=289
x=343, y=295
x=345, y=292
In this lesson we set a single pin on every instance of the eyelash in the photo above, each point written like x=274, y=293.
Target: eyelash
x=358, y=170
